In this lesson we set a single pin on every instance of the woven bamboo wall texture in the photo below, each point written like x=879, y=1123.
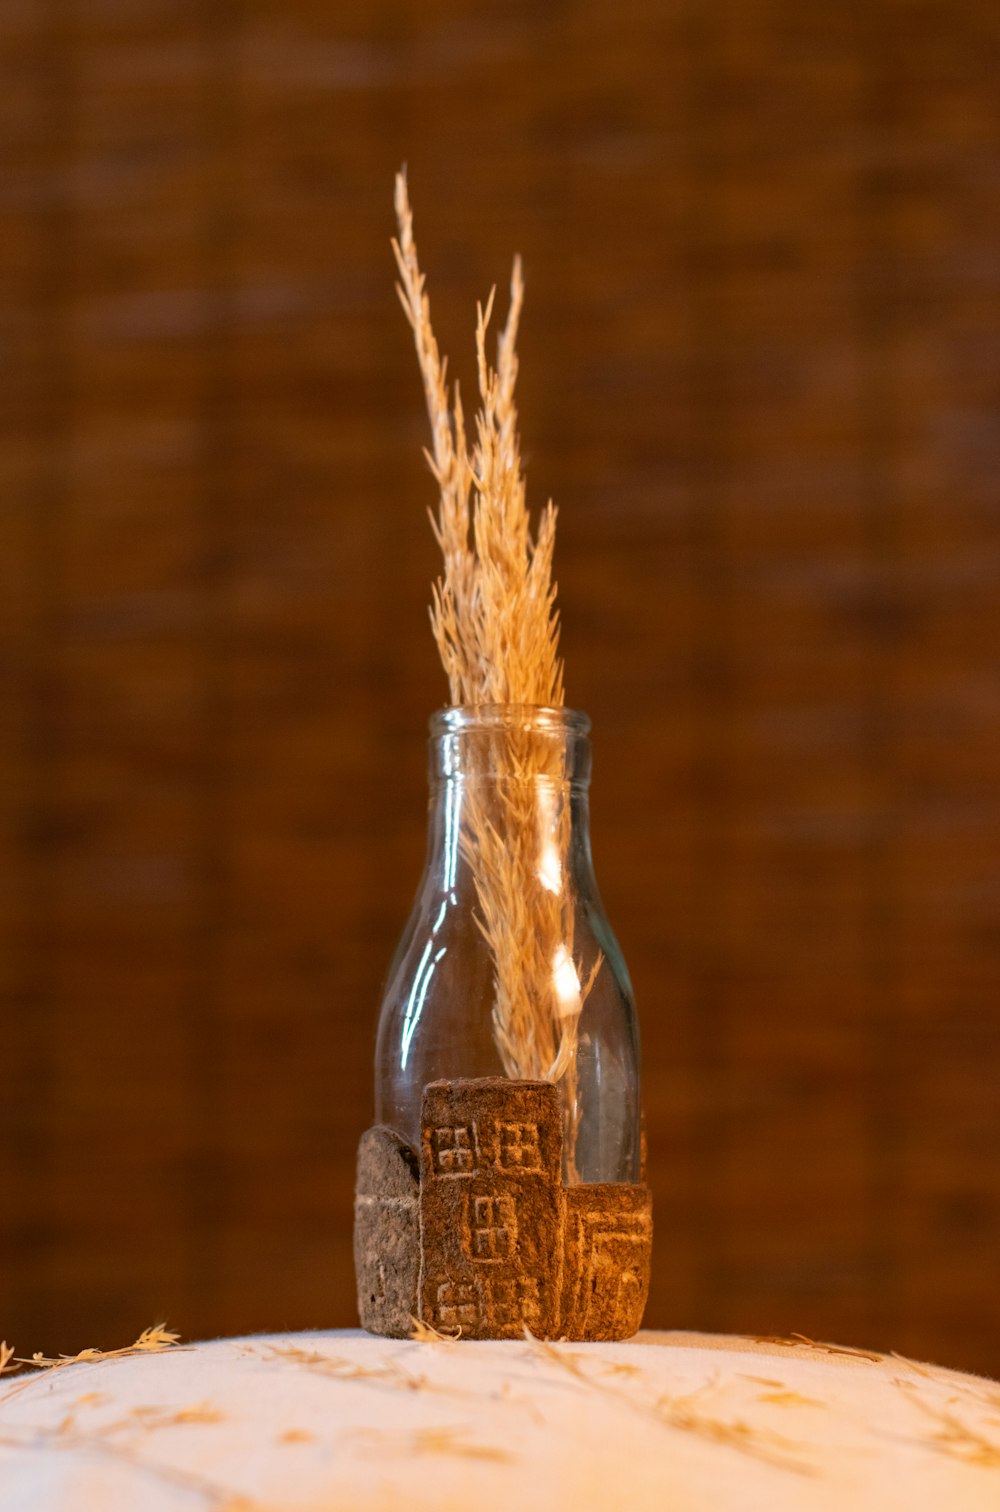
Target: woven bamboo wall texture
x=759, y=374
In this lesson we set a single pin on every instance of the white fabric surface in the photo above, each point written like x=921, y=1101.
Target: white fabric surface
x=326, y=1422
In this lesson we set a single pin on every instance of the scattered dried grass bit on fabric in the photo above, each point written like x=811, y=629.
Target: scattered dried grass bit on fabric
x=923, y=1370
x=150, y=1341
x=557, y=1354
x=308, y=1359
x=763, y=1381
x=152, y=1419
x=296, y=1436
x=789, y=1398
x=958, y=1439
x=387, y=1374
x=839, y=1349
x=758, y=1443
x=157, y=1337
x=449, y=1440
x=425, y=1333
x=802, y=1341
x=160, y=1417
x=453, y=1441
x=56, y=1362
x=573, y=1362
x=984, y=1394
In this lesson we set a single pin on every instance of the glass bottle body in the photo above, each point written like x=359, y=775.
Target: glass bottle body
x=508, y=964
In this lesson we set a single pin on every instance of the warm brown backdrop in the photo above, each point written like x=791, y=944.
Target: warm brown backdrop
x=760, y=373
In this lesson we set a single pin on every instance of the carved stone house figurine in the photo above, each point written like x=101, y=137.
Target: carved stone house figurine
x=478, y=1235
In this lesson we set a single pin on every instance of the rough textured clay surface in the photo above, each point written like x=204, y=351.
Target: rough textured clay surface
x=386, y=1233
x=608, y=1249
x=491, y=1208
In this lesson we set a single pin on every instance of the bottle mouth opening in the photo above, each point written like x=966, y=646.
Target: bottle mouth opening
x=543, y=718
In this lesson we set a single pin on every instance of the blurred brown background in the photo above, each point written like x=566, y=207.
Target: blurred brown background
x=760, y=370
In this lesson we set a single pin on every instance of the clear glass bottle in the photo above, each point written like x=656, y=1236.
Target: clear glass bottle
x=509, y=820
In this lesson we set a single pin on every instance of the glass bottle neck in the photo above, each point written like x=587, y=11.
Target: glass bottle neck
x=521, y=771
x=510, y=742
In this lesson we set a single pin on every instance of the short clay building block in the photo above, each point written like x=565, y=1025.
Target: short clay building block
x=491, y=1204
x=608, y=1249
x=386, y=1233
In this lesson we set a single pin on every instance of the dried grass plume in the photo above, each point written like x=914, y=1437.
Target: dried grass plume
x=497, y=631
x=493, y=614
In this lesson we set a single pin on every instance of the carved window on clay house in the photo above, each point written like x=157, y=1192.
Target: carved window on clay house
x=453, y=1151
x=518, y=1148
x=490, y=1231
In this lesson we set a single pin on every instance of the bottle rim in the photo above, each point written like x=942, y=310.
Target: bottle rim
x=546, y=719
